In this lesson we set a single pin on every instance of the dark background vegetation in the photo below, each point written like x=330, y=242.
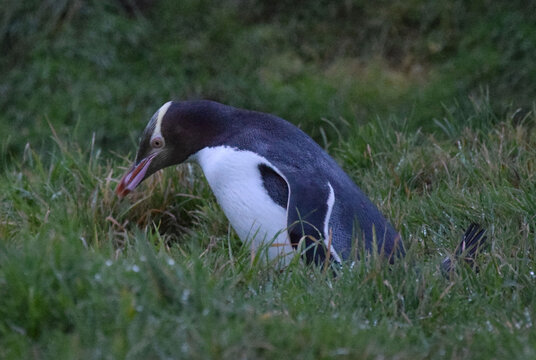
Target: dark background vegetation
x=104, y=67
x=428, y=105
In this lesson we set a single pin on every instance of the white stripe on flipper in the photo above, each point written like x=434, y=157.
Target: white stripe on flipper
x=161, y=112
x=327, y=241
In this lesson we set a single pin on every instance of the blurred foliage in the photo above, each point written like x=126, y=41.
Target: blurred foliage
x=103, y=67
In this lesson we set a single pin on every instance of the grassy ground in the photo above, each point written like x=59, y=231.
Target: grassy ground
x=431, y=115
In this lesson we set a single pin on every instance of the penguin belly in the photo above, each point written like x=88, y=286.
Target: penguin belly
x=235, y=180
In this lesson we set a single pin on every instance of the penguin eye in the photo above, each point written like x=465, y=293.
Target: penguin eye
x=157, y=142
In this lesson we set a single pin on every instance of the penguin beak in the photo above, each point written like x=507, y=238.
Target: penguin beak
x=134, y=176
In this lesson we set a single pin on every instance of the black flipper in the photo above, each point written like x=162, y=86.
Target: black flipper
x=275, y=185
x=307, y=209
x=473, y=241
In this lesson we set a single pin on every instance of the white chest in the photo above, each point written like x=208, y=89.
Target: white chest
x=235, y=179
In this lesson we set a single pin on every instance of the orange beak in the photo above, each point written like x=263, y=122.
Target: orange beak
x=133, y=177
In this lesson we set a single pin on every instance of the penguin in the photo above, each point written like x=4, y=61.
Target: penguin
x=278, y=188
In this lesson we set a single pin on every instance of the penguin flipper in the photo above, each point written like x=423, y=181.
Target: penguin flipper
x=307, y=214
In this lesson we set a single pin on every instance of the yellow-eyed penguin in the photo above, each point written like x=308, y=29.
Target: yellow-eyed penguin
x=274, y=183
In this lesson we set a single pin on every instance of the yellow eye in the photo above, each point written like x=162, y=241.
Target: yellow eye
x=157, y=142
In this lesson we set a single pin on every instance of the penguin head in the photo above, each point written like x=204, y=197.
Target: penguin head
x=175, y=132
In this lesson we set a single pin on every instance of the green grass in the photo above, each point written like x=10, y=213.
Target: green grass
x=429, y=106
x=83, y=274
x=95, y=66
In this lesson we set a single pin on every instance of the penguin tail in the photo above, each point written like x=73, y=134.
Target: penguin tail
x=473, y=241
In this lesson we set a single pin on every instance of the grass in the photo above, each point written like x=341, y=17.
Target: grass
x=428, y=106
x=160, y=275
x=304, y=62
